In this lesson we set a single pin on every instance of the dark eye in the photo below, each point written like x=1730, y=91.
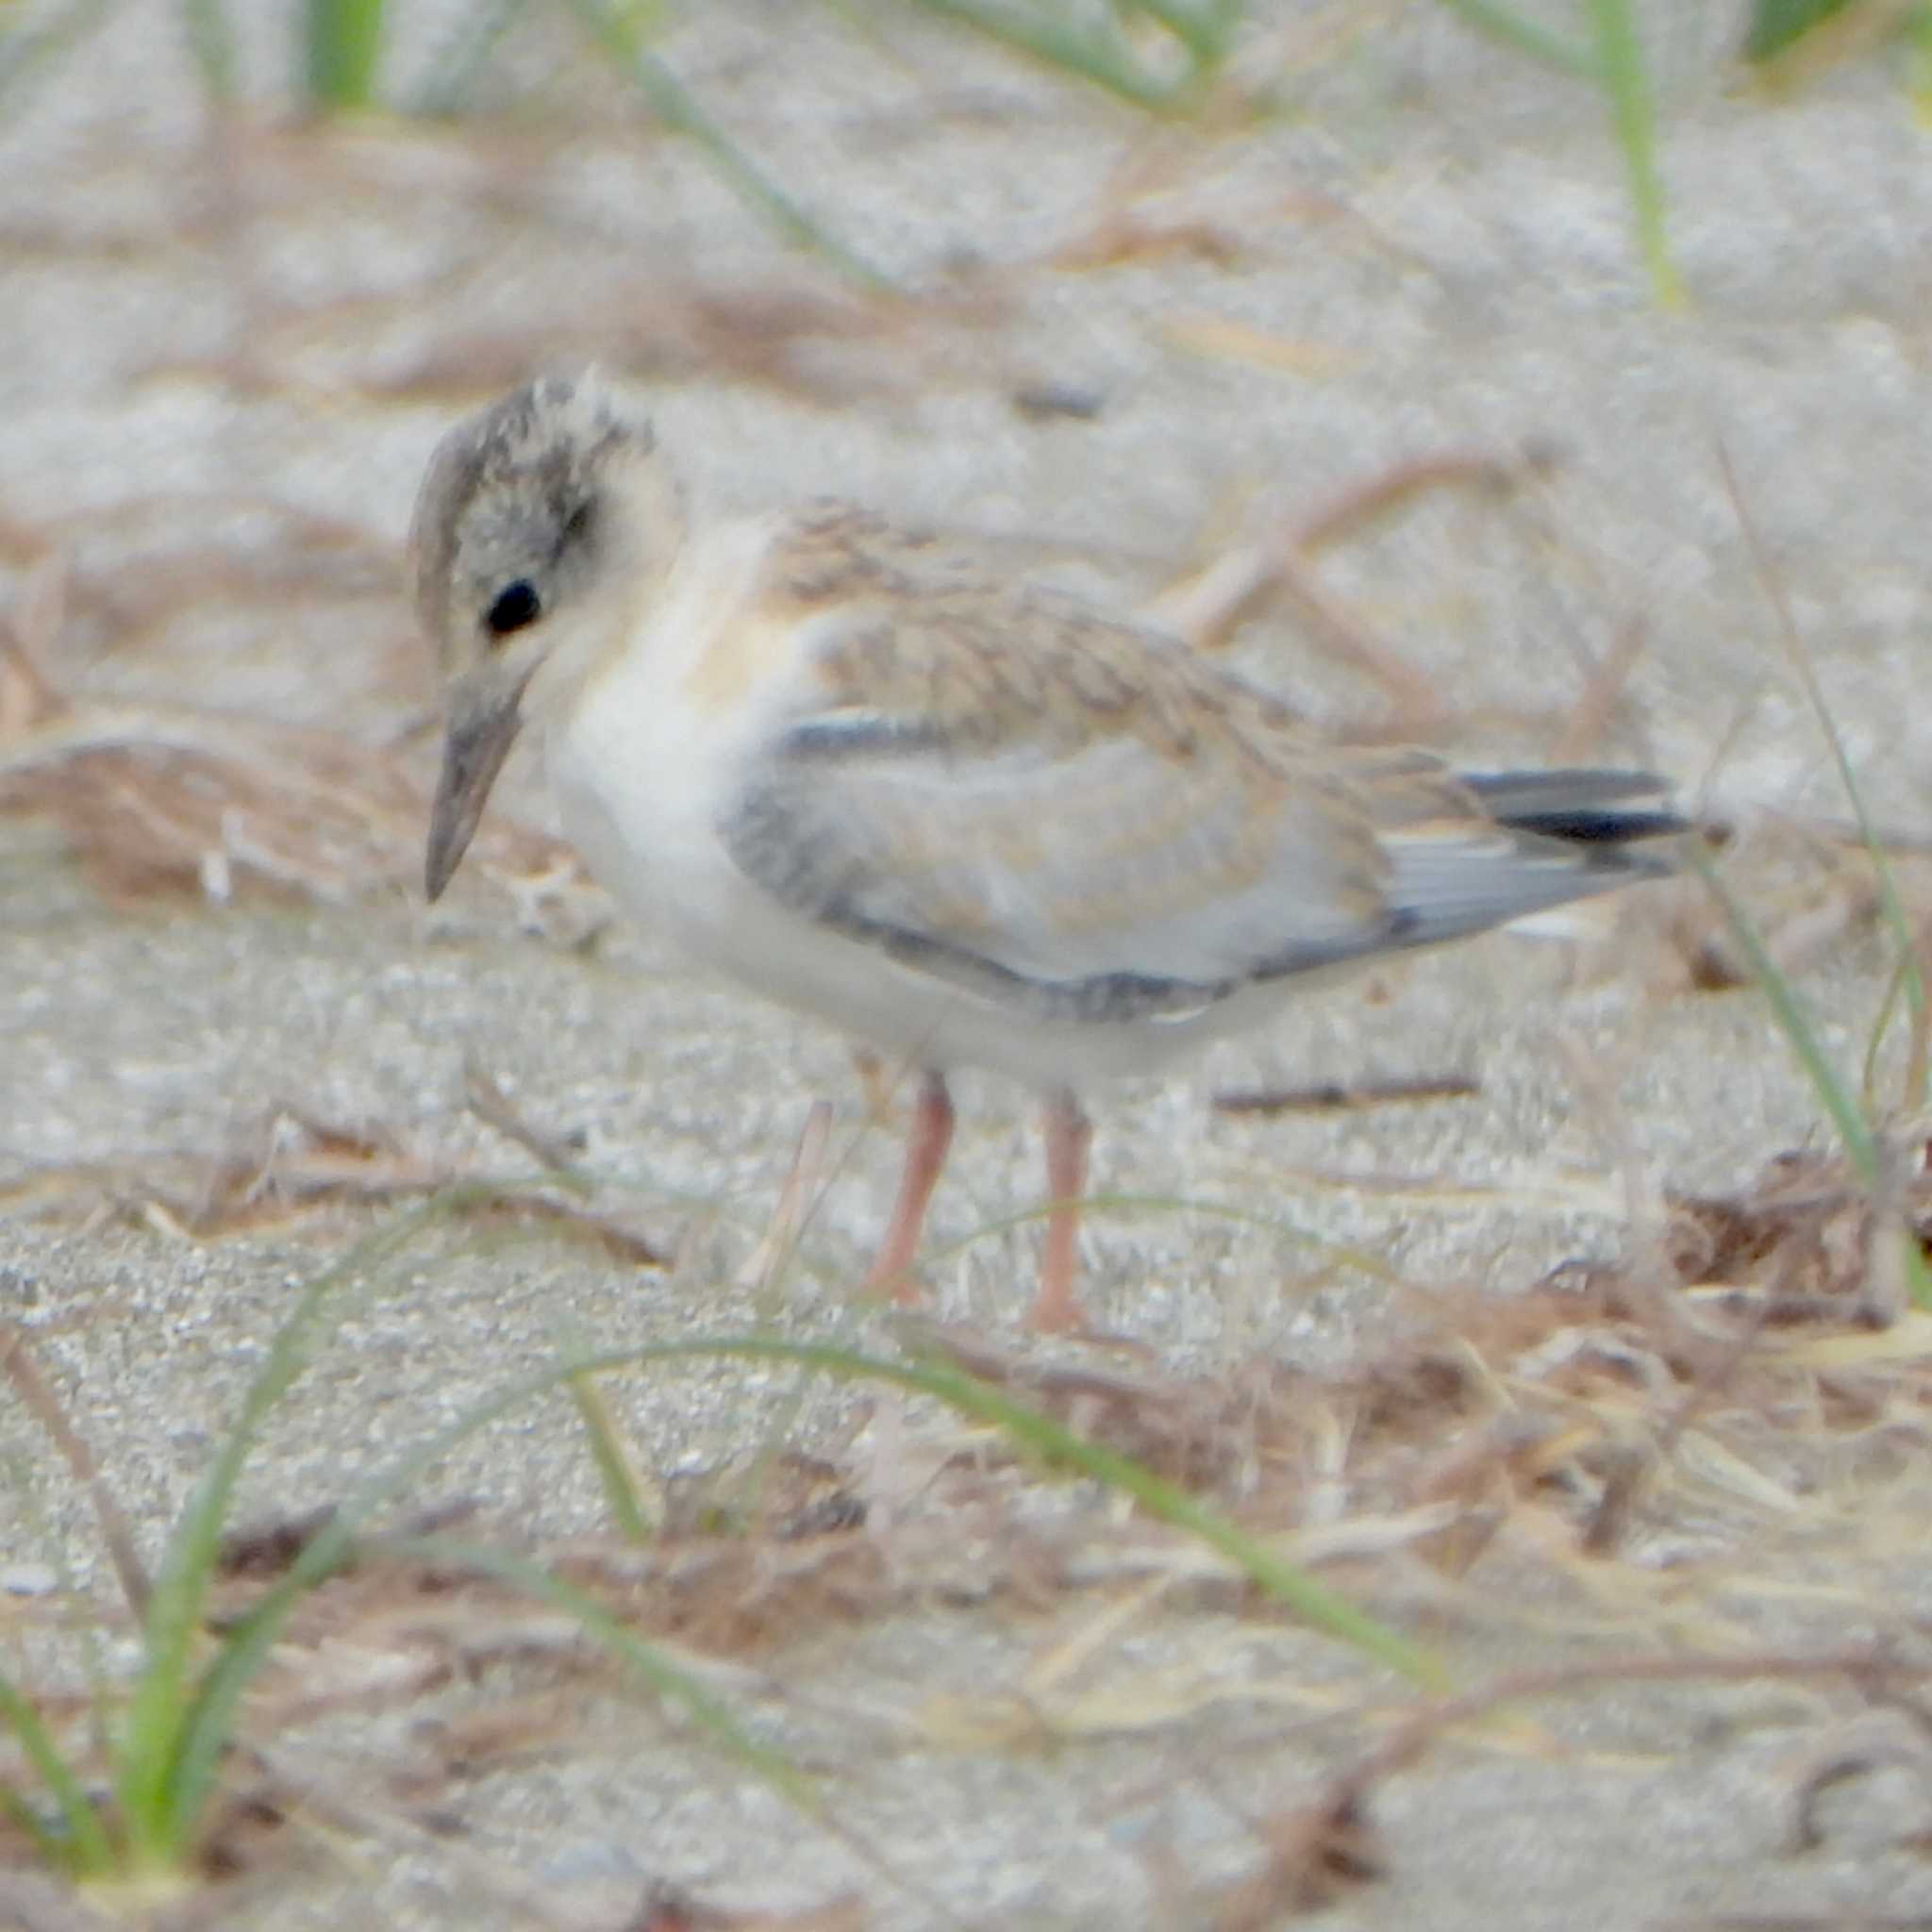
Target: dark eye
x=516, y=606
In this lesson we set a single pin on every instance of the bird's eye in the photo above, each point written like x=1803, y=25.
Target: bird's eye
x=516, y=606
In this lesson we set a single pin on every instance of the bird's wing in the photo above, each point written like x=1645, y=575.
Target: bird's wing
x=1014, y=793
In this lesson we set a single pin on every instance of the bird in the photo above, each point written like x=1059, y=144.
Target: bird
x=970, y=821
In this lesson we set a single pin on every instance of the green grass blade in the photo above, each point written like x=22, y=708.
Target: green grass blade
x=55, y=1852
x=94, y=1660
x=615, y=1472
x=1860, y=1144
x=211, y=42
x=1509, y=28
x=1902, y=938
x=1874, y=1039
x=1614, y=62
x=209, y=1724
x=673, y=1685
x=1043, y=1437
x=674, y=109
x=1908, y=973
x=87, y=1849
x=1053, y=40
x=1776, y=24
x=456, y=66
x=1625, y=78
x=832, y=1274
x=1206, y=31
x=1288, y=1583
x=1341, y=1253
x=342, y=50
x=676, y=1685
x=161, y=1813
x=1860, y=1147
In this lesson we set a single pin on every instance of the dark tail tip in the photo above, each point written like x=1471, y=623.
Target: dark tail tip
x=1579, y=808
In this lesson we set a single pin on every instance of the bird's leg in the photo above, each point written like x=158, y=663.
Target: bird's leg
x=1069, y=1134
x=927, y=1141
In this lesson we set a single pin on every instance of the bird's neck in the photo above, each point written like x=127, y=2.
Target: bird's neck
x=646, y=534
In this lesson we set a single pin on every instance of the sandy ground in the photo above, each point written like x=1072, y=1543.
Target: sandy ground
x=224, y=358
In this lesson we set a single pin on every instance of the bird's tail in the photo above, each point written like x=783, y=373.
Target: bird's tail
x=1583, y=807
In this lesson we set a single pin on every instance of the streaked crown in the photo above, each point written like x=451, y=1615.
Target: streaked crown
x=515, y=514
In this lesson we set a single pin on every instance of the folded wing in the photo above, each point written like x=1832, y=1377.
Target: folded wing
x=1149, y=851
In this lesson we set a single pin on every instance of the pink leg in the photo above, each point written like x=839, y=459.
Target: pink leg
x=1069, y=1134
x=926, y=1141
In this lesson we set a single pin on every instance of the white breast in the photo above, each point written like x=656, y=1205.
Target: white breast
x=644, y=767
x=639, y=769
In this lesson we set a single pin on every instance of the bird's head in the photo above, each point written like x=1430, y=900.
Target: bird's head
x=541, y=522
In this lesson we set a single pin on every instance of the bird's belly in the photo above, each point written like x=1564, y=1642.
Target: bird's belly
x=681, y=884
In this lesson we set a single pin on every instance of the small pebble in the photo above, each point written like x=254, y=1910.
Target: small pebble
x=1040, y=400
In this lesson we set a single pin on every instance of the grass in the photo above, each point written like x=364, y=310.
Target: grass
x=1170, y=58
x=1776, y=25
x=1527, y=37
x=1626, y=81
x=1141, y=1439
x=453, y=72
x=615, y=30
x=211, y=37
x=1200, y=41
x=177, y=1732
x=1611, y=59
x=179, y=1717
x=1908, y=977
x=177, y=1739
x=343, y=54
x=1095, y=46
x=183, y=1717
x=1863, y=1141
x=1028, y=1431
x=1788, y=40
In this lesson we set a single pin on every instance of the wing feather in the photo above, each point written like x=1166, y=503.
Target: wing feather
x=1010, y=792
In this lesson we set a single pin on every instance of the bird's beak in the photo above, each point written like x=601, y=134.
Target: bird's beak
x=483, y=719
